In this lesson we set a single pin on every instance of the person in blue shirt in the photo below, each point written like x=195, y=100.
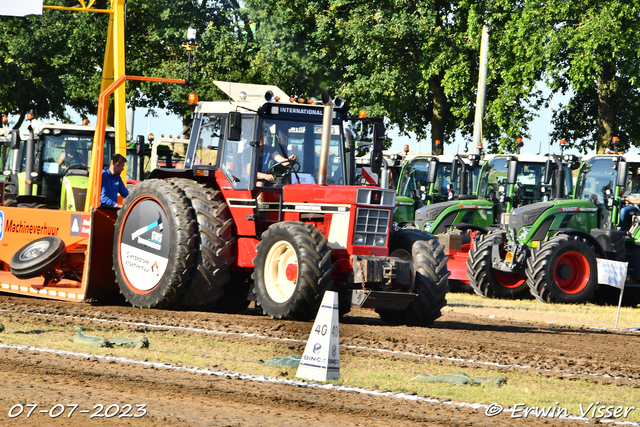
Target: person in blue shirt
x=112, y=184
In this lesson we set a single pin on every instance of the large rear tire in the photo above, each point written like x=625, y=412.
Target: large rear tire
x=292, y=270
x=37, y=257
x=484, y=279
x=430, y=283
x=214, y=254
x=154, y=244
x=563, y=270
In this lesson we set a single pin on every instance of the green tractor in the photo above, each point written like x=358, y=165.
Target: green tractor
x=555, y=244
x=417, y=188
x=48, y=166
x=505, y=182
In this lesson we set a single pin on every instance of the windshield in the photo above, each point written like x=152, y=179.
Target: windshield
x=276, y=141
x=63, y=151
x=596, y=177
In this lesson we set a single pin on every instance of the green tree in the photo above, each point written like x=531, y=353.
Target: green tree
x=591, y=52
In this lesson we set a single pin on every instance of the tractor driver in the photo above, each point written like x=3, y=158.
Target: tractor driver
x=265, y=159
x=632, y=200
x=71, y=156
x=112, y=183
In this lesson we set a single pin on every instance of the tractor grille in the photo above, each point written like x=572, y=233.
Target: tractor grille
x=373, y=224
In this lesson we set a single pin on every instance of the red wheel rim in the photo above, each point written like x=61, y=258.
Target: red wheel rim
x=572, y=272
x=510, y=280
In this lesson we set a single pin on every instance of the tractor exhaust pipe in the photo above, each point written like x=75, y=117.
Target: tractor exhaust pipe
x=327, y=122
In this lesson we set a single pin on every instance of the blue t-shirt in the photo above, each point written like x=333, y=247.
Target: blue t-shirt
x=111, y=186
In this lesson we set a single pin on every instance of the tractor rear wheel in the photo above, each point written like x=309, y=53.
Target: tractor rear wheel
x=154, y=244
x=430, y=283
x=37, y=257
x=564, y=270
x=484, y=279
x=292, y=270
x=214, y=254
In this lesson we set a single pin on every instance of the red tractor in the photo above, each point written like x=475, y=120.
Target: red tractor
x=265, y=209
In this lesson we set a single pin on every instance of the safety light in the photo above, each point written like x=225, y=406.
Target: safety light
x=30, y=116
x=162, y=135
x=406, y=149
x=85, y=122
x=5, y=120
x=192, y=100
x=563, y=141
x=614, y=139
x=190, y=44
x=312, y=101
x=480, y=144
x=362, y=114
x=438, y=142
x=292, y=100
x=301, y=100
x=150, y=137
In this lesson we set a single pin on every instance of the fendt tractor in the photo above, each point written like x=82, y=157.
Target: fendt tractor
x=453, y=177
x=505, y=182
x=554, y=245
x=270, y=219
x=38, y=171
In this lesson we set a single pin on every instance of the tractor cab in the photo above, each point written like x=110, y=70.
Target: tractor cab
x=58, y=163
x=453, y=177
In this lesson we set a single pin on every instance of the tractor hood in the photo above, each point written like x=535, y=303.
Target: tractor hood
x=339, y=195
x=527, y=215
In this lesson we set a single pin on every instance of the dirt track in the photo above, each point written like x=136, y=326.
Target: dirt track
x=175, y=398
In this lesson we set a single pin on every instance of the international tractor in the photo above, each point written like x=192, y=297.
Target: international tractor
x=261, y=210
x=554, y=245
x=271, y=217
x=505, y=182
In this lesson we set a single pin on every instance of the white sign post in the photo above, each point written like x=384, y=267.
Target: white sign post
x=321, y=358
x=20, y=8
x=613, y=273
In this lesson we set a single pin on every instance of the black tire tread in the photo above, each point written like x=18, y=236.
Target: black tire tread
x=214, y=255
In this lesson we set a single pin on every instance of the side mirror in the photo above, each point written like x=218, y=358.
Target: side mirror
x=376, y=148
x=234, y=128
x=547, y=171
x=15, y=139
x=433, y=170
x=140, y=145
x=623, y=171
x=512, y=172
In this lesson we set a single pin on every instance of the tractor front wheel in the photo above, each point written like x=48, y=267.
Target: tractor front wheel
x=563, y=270
x=430, y=283
x=484, y=279
x=154, y=245
x=292, y=270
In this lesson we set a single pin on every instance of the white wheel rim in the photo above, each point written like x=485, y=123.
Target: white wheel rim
x=34, y=251
x=279, y=288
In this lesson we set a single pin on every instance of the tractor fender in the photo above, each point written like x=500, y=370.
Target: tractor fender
x=470, y=227
x=600, y=253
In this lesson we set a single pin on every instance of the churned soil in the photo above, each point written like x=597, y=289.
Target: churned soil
x=183, y=398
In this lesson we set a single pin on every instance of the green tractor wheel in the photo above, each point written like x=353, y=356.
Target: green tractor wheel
x=564, y=270
x=488, y=282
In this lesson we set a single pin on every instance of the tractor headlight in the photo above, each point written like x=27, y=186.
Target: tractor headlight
x=427, y=226
x=380, y=241
x=358, y=239
x=523, y=232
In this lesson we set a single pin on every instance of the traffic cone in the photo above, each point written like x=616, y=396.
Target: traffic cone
x=321, y=358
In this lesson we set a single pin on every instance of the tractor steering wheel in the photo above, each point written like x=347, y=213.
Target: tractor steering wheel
x=71, y=168
x=280, y=170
